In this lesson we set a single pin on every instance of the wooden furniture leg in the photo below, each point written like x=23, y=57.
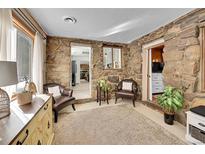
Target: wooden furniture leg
x=100, y=97
x=97, y=94
x=55, y=116
x=107, y=97
x=73, y=106
x=133, y=102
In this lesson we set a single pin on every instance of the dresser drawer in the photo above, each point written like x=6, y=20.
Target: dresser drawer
x=47, y=106
x=158, y=83
x=197, y=133
x=40, y=128
x=196, y=122
x=157, y=89
x=23, y=137
x=157, y=76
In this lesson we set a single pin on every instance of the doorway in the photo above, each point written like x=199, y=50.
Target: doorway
x=81, y=71
x=152, y=67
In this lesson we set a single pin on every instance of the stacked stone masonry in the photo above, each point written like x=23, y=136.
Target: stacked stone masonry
x=182, y=55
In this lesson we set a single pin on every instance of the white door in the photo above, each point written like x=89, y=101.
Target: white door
x=147, y=75
x=144, y=75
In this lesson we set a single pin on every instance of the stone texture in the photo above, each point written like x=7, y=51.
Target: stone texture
x=181, y=56
x=189, y=83
x=192, y=31
x=173, y=55
x=183, y=43
x=58, y=62
x=113, y=78
x=192, y=53
x=191, y=68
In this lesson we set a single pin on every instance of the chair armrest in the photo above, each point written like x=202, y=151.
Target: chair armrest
x=67, y=92
x=118, y=87
x=135, y=90
x=53, y=100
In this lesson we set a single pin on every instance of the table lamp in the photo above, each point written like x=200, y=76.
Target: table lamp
x=8, y=76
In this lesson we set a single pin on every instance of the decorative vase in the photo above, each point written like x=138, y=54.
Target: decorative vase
x=169, y=118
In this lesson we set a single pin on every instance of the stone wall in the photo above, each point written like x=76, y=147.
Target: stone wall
x=181, y=54
x=59, y=62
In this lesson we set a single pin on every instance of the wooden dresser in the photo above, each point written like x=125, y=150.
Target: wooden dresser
x=28, y=124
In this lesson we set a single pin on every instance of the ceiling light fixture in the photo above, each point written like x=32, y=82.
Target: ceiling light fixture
x=70, y=20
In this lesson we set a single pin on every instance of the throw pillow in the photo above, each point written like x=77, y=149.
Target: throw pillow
x=54, y=90
x=127, y=86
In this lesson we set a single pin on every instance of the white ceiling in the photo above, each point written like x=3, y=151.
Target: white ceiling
x=112, y=25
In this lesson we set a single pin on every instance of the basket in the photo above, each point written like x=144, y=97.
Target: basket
x=24, y=98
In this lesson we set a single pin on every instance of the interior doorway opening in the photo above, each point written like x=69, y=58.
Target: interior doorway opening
x=157, y=68
x=153, y=65
x=81, y=71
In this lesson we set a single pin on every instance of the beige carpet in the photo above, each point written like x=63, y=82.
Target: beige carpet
x=119, y=124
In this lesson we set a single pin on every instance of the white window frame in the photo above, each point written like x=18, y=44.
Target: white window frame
x=112, y=50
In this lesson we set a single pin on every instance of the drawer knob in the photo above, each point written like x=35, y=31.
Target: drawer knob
x=46, y=107
x=21, y=142
x=49, y=125
x=203, y=125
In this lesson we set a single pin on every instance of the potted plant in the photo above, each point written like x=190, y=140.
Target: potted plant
x=171, y=101
x=104, y=85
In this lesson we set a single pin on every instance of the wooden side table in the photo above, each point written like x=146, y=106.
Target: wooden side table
x=102, y=95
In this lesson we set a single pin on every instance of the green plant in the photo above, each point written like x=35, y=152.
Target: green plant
x=171, y=100
x=104, y=85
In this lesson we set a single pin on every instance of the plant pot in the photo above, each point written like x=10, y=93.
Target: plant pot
x=169, y=118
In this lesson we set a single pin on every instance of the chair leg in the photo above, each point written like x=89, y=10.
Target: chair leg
x=133, y=102
x=115, y=100
x=55, y=116
x=73, y=106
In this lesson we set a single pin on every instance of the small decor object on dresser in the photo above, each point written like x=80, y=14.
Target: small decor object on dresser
x=24, y=98
x=8, y=77
x=30, y=87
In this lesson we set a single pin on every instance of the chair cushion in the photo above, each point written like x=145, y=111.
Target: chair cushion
x=127, y=86
x=125, y=93
x=54, y=90
x=63, y=100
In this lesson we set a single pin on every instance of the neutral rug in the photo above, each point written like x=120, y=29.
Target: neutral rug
x=119, y=124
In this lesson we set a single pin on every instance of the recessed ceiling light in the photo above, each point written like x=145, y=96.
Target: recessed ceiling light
x=70, y=20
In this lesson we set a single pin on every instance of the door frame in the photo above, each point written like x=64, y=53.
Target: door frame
x=146, y=68
x=73, y=44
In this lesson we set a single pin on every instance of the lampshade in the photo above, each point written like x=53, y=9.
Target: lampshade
x=8, y=73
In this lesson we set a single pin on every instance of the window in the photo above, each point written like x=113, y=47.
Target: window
x=111, y=58
x=22, y=46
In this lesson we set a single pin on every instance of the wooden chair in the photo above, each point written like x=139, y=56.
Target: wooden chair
x=132, y=93
x=62, y=101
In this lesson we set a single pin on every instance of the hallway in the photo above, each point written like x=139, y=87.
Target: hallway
x=82, y=90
